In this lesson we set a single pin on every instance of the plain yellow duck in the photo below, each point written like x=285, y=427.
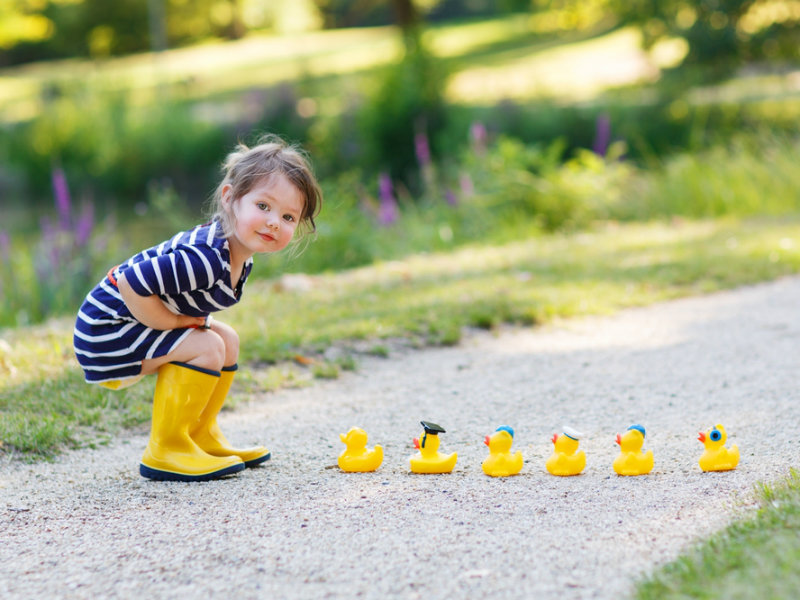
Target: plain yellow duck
x=356, y=458
x=429, y=459
x=632, y=460
x=501, y=462
x=566, y=459
x=716, y=456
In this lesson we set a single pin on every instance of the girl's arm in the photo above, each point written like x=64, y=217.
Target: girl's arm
x=151, y=311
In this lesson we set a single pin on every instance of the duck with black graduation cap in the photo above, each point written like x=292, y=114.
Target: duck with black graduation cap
x=429, y=459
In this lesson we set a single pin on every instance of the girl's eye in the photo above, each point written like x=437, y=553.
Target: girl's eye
x=262, y=206
x=289, y=218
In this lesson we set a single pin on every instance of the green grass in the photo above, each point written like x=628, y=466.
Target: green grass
x=261, y=60
x=422, y=300
x=519, y=56
x=755, y=557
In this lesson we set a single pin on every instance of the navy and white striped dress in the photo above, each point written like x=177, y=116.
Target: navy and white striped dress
x=191, y=273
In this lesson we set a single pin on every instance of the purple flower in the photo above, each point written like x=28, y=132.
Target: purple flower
x=450, y=197
x=478, y=137
x=51, y=248
x=48, y=231
x=61, y=193
x=467, y=187
x=84, y=224
x=5, y=247
x=422, y=149
x=602, y=136
x=387, y=212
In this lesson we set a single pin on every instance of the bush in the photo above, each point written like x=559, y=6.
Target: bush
x=408, y=103
x=531, y=183
x=66, y=262
x=749, y=176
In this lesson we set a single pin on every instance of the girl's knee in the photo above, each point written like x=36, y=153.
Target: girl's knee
x=230, y=339
x=210, y=349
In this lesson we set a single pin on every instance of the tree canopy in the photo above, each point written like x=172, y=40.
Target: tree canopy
x=720, y=33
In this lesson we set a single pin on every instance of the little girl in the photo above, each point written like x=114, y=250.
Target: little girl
x=151, y=314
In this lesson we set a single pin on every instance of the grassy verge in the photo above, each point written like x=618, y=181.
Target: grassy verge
x=755, y=557
x=260, y=60
x=425, y=299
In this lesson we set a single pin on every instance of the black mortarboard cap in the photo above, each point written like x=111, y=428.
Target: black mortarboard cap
x=432, y=428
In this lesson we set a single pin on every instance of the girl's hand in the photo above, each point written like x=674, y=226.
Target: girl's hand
x=184, y=321
x=151, y=311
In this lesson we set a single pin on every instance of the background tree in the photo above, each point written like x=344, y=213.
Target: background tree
x=21, y=21
x=722, y=34
x=408, y=106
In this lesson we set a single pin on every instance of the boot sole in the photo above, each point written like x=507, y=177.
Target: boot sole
x=158, y=475
x=258, y=461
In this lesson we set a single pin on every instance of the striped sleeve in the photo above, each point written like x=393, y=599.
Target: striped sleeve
x=185, y=269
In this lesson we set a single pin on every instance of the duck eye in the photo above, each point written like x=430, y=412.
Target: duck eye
x=715, y=435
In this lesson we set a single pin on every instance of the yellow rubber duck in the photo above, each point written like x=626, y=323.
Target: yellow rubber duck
x=356, y=458
x=566, y=459
x=632, y=460
x=429, y=459
x=716, y=456
x=501, y=462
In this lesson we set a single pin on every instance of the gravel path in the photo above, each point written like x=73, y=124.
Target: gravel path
x=88, y=526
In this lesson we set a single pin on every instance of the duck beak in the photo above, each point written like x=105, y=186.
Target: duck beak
x=702, y=437
x=619, y=439
x=486, y=440
x=416, y=443
x=555, y=437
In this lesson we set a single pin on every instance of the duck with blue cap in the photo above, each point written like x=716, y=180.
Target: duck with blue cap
x=632, y=459
x=501, y=462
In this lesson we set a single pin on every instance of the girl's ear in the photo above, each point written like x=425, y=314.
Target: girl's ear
x=226, y=196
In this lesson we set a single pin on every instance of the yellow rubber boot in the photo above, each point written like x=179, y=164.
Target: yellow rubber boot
x=206, y=431
x=182, y=391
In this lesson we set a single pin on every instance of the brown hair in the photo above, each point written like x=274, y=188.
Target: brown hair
x=245, y=167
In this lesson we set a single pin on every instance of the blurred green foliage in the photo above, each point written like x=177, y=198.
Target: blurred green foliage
x=110, y=148
x=491, y=191
x=531, y=167
x=32, y=30
x=409, y=102
x=722, y=35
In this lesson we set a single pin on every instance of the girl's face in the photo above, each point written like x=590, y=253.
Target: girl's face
x=266, y=217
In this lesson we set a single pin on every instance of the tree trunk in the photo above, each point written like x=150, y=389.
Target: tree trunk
x=236, y=29
x=406, y=14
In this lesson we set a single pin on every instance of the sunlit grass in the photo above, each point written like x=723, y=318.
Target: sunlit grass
x=199, y=71
x=750, y=87
x=452, y=41
x=521, y=282
x=513, y=56
x=519, y=57
x=574, y=71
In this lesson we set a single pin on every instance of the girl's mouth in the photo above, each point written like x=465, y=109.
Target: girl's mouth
x=267, y=237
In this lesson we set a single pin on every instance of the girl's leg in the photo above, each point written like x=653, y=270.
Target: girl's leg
x=202, y=348
x=206, y=432
x=230, y=339
x=187, y=378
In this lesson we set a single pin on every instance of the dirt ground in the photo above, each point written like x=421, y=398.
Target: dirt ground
x=88, y=525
